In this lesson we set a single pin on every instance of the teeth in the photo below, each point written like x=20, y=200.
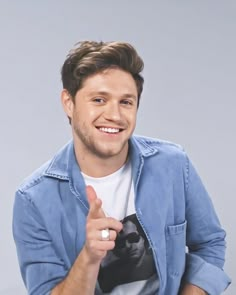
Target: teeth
x=109, y=130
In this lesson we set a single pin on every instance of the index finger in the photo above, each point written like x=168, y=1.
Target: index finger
x=95, y=204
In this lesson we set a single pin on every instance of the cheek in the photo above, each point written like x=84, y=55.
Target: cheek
x=141, y=243
x=91, y=114
x=131, y=117
x=75, y=117
x=82, y=115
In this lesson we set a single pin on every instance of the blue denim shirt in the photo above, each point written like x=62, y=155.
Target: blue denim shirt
x=171, y=204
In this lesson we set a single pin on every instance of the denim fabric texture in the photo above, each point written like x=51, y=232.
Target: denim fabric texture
x=171, y=204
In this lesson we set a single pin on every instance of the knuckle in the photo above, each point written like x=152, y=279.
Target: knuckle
x=110, y=219
x=111, y=245
x=115, y=234
x=92, y=245
x=90, y=225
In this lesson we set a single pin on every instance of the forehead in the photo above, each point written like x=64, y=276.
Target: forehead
x=128, y=227
x=112, y=79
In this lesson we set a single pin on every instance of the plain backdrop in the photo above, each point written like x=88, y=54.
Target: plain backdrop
x=189, y=49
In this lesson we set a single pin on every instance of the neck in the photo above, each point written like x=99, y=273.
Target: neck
x=96, y=166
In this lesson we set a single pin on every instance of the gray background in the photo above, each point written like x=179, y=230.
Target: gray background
x=189, y=51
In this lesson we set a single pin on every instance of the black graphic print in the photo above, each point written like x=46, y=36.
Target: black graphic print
x=131, y=260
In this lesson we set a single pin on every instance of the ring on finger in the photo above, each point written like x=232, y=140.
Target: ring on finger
x=105, y=234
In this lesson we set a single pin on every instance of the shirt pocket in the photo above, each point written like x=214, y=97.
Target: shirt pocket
x=175, y=248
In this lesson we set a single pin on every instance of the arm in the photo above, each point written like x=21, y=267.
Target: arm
x=81, y=278
x=83, y=274
x=189, y=289
x=42, y=267
x=205, y=238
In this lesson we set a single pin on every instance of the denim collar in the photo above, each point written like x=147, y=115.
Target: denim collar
x=64, y=163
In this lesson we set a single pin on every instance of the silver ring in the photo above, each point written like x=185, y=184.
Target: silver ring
x=105, y=234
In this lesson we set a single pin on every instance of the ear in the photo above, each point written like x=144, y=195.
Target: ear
x=67, y=103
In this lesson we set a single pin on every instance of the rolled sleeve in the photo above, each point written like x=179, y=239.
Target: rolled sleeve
x=40, y=266
x=205, y=275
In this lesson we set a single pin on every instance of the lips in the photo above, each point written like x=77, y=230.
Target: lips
x=110, y=130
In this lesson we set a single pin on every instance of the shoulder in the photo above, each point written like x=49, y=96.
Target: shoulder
x=34, y=178
x=158, y=146
x=55, y=168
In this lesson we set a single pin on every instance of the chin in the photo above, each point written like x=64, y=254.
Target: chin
x=112, y=152
x=108, y=154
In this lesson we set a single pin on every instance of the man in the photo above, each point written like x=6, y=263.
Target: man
x=67, y=215
x=130, y=261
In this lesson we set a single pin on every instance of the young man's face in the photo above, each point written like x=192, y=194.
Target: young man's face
x=104, y=114
x=129, y=243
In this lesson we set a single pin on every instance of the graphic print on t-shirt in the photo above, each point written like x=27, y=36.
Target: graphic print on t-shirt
x=131, y=260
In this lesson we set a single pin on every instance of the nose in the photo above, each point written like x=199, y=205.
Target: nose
x=113, y=112
x=128, y=244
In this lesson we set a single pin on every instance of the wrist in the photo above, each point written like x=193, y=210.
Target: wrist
x=189, y=289
x=89, y=261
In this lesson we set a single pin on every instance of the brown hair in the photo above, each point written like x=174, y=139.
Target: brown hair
x=90, y=57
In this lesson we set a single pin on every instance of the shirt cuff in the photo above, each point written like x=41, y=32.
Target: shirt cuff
x=205, y=275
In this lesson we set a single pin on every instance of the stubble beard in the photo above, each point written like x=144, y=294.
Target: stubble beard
x=90, y=145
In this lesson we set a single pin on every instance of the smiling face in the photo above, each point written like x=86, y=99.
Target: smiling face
x=129, y=243
x=103, y=116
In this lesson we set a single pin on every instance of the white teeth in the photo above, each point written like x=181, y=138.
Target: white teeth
x=109, y=130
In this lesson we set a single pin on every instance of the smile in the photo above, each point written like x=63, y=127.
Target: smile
x=109, y=130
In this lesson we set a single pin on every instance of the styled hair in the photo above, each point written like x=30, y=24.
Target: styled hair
x=132, y=218
x=90, y=57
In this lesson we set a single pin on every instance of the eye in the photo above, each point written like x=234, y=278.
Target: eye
x=127, y=102
x=99, y=100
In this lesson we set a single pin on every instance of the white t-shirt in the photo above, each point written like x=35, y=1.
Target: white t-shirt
x=129, y=268
x=116, y=192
